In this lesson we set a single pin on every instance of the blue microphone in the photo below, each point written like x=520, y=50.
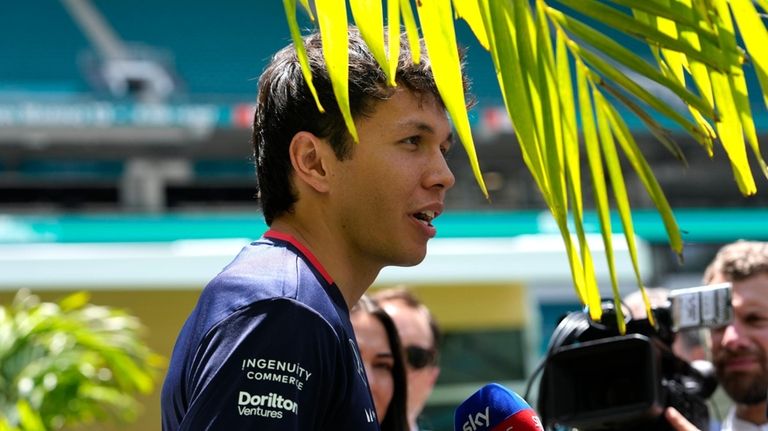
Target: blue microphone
x=496, y=408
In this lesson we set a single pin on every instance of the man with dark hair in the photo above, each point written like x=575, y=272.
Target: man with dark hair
x=269, y=345
x=420, y=336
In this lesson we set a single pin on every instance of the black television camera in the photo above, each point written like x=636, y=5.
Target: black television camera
x=596, y=379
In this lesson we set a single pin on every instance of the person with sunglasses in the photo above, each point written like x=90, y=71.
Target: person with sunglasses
x=420, y=336
x=381, y=355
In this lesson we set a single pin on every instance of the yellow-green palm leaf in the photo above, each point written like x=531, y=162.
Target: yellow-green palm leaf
x=696, y=55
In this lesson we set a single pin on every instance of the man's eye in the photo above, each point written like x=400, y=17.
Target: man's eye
x=719, y=329
x=448, y=145
x=755, y=320
x=412, y=140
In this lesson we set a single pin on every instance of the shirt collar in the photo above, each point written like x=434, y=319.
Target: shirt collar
x=733, y=423
x=282, y=236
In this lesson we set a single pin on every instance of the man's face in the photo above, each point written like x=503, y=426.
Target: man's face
x=413, y=328
x=739, y=349
x=387, y=193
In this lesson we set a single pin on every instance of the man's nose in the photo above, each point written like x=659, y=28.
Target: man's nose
x=440, y=174
x=733, y=336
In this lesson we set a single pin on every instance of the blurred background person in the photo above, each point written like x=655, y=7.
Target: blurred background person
x=688, y=344
x=739, y=348
x=382, y=357
x=420, y=336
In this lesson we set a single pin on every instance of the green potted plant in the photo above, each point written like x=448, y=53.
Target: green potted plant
x=70, y=362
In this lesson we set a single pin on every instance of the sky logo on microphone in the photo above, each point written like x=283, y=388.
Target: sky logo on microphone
x=480, y=419
x=496, y=408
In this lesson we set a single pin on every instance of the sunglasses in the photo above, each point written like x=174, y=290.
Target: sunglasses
x=419, y=357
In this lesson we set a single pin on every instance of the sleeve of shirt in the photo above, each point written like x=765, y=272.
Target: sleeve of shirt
x=270, y=366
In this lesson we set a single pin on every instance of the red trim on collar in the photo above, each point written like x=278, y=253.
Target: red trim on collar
x=273, y=234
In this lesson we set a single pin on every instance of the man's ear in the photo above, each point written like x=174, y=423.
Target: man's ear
x=308, y=157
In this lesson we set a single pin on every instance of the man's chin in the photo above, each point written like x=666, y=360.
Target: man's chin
x=749, y=399
x=411, y=259
x=406, y=264
x=745, y=389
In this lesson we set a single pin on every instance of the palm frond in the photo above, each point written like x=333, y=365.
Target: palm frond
x=533, y=45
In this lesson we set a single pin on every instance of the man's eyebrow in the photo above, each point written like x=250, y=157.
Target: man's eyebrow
x=415, y=124
x=423, y=127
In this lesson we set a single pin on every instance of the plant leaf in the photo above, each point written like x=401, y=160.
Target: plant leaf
x=755, y=37
x=643, y=170
x=594, y=160
x=567, y=109
x=640, y=92
x=679, y=12
x=585, y=280
x=763, y=4
x=411, y=30
x=369, y=19
x=305, y=5
x=469, y=11
x=552, y=136
x=393, y=38
x=654, y=127
x=619, y=188
x=729, y=125
x=606, y=142
x=626, y=57
x=74, y=301
x=554, y=140
x=440, y=39
x=499, y=20
x=28, y=419
x=634, y=27
x=301, y=52
x=332, y=17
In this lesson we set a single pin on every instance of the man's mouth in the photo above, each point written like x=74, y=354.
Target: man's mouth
x=740, y=363
x=426, y=216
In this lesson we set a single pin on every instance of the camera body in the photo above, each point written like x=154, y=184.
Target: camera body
x=596, y=379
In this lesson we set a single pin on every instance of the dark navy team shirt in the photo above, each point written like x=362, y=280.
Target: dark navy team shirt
x=269, y=346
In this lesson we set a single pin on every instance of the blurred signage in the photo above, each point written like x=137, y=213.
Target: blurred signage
x=105, y=114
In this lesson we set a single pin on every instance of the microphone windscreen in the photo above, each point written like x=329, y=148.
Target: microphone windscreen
x=496, y=408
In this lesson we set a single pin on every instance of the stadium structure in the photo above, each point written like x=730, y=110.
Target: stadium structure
x=125, y=169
